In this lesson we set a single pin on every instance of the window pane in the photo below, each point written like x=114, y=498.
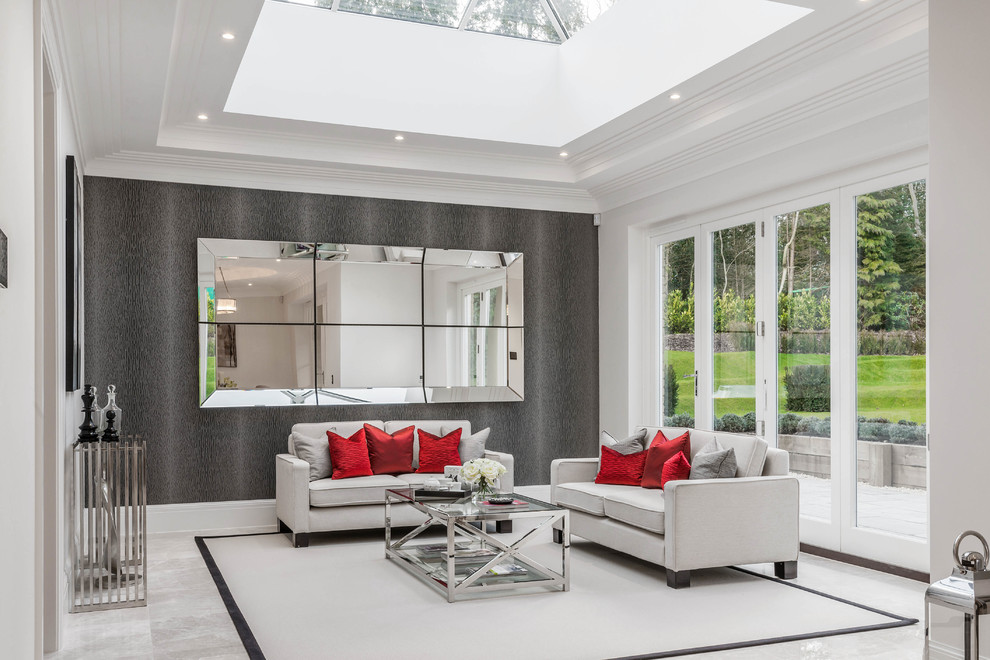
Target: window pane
x=434, y=12
x=575, y=14
x=513, y=18
x=733, y=309
x=803, y=353
x=891, y=361
x=677, y=333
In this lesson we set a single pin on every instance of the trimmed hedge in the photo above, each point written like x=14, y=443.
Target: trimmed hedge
x=809, y=388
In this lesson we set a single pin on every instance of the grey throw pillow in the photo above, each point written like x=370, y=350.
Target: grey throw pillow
x=634, y=443
x=471, y=446
x=718, y=464
x=316, y=452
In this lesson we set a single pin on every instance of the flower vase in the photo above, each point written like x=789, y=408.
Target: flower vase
x=485, y=490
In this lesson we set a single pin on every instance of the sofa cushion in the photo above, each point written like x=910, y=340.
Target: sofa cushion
x=586, y=496
x=616, y=468
x=662, y=450
x=637, y=507
x=390, y=453
x=349, y=455
x=437, y=452
x=315, y=451
x=358, y=490
x=319, y=429
x=714, y=462
x=751, y=452
x=434, y=426
x=631, y=445
x=471, y=446
x=675, y=469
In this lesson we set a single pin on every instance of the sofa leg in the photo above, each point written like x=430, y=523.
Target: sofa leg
x=785, y=570
x=558, y=536
x=283, y=528
x=678, y=579
x=503, y=526
x=300, y=540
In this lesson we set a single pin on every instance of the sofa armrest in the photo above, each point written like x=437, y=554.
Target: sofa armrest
x=508, y=480
x=292, y=492
x=570, y=470
x=724, y=522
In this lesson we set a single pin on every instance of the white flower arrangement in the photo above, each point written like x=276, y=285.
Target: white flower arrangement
x=482, y=472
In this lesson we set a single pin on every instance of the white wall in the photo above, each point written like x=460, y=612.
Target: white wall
x=19, y=112
x=959, y=317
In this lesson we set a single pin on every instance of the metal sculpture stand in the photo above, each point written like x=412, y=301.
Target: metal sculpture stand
x=109, y=520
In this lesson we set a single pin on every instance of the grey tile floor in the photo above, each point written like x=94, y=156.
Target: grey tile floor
x=186, y=619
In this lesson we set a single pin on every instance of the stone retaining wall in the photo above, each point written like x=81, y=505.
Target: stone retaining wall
x=878, y=463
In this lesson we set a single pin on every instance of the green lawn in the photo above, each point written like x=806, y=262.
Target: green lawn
x=890, y=386
x=211, y=376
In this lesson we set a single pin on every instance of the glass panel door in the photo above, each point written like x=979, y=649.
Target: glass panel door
x=891, y=360
x=734, y=329
x=677, y=322
x=803, y=288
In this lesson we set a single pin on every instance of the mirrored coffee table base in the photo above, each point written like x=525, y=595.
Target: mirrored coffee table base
x=478, y=561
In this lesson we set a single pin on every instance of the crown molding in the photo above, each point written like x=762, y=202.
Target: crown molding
x=290, y=176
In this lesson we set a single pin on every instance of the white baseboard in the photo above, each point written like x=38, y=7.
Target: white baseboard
x=244, y=515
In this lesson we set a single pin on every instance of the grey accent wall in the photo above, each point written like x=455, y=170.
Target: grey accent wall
x=141, y=331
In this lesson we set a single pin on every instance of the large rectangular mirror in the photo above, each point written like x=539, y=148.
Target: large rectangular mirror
x=286, y=323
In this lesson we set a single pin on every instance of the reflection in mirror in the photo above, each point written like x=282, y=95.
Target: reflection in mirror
x=254, y=358
x=368, y=292
x=255, y=282
x=467, y=357
x=343, y=397
x=369, y=356
x=465, y=294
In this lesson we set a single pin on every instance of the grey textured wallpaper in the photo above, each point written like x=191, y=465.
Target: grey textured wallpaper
x=141, y=331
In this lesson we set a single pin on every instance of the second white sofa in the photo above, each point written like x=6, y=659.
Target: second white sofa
x=691, y=524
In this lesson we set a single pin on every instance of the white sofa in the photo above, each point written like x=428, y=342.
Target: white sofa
x=327, y=505
x=691, y=524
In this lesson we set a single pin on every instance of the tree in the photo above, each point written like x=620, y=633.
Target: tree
x=669, y=390
x=877, y=272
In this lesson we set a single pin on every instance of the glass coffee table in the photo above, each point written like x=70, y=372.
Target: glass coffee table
x=478, y=561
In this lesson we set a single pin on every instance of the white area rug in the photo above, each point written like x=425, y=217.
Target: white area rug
x=340, y=598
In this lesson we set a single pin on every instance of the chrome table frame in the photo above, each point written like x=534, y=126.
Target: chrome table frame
x=459, y=522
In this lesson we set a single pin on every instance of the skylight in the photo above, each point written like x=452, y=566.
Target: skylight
x=552, y=21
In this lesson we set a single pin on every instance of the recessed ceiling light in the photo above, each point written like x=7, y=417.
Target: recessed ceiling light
x=399, y=138
x=250, y=283
x=563, y=154
x=202, y=116
x=228, y=36
x=675, y=96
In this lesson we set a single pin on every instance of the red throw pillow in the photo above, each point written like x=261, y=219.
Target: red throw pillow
x=390, y=453
x=675, y=469
x=660, y=451
x=435, y=452
x=623, y=469
x=349, y=456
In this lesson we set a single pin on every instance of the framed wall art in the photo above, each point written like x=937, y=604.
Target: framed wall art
x=73, y=272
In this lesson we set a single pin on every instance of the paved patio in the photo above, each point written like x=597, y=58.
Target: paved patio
x=897, y=510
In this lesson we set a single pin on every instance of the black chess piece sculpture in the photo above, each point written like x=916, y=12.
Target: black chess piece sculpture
x=88, y=430
x=110, y=433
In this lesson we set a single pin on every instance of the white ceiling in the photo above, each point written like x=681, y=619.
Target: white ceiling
x=137, y=74
x=310, y=64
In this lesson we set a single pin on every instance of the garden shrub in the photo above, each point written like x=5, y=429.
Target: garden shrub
x=670, y=388
x=809, y=388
